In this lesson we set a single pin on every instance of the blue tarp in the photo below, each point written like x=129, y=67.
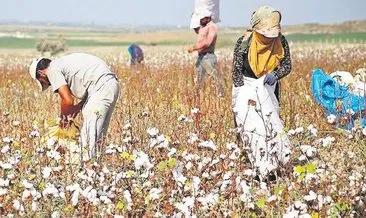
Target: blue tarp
x=338, y=100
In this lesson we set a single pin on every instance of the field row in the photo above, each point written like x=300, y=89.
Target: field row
x=225, y=39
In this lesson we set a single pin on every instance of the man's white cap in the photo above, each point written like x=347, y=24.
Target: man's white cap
x=195, y=21
x=197, y=16
x=33, y=71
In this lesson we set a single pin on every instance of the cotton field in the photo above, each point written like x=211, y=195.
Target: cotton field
x=170, y=153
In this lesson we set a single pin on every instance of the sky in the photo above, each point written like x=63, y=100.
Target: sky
x=175, y=12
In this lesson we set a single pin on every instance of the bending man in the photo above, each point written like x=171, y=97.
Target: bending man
x=84, y=77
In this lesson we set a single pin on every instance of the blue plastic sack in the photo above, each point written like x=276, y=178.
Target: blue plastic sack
x=338, y=100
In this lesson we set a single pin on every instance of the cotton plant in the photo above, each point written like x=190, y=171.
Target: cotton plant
x=153, y=132
x=142, y=160
x=192, y=138
x=183, y=118
x=311, y=196
x=178, y=176
x=195, y=110
x=209, y=200
x=327, y=142
x=121, y=185
x=207, y=144
x=160, y=141
x=308, y=150
x=186, y=206
x=8, y=140
x=5, y=149
x=331, y=119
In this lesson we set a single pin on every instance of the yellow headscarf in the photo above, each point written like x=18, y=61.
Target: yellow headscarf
x=265, y=53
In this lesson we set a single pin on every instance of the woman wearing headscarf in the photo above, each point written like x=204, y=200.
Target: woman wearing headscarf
x=263, y=50
x=261, y=59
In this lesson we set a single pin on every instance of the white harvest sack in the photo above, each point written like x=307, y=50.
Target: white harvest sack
x=257, y=114
x=212, y=6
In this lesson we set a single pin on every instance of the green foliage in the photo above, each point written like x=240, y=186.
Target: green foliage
x=339, y=209
x=279, y=189
x=315, y=215
x=260, y=203
x=120, y=205
x=52, y=46
x=327, y=37
x=167, y=164
x=226, y=39
x=302, y=170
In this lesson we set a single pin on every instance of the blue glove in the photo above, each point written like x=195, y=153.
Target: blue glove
x=270, y=79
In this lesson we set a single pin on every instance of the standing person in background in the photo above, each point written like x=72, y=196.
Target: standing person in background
x=87, y=78
x=205, y=47
x=137, y=56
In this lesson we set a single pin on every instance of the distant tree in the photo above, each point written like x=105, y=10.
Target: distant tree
x=52, y=46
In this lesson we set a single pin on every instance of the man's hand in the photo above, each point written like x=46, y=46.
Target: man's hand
x=78, y=107
x=64, y=123
x=191, y=49
x=68, y=109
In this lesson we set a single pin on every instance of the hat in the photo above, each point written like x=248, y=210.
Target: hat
x=33, y=71
x=195, y=21
x=266, y=21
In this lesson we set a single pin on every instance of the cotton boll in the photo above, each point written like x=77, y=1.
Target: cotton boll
x=18, y=206
x=55, y=214
x=26, y=194
x=4, y=183
x=46, y=172
x=5, y=149
x=153, y=132
x=331, y=119
x=302, y=158
x=208, y=144
x=8, y=140
x=300, y=206
x=155, y=193
x=75, y=198
x=188, y=165
x=311, y=196
x=3, y=191
x=35, y=206
x=51, y=142
x=195, y=111
x=308, y=150
x=6, y=166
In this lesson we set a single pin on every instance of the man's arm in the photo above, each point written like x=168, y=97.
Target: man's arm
x=211, y=35
x=68, y=109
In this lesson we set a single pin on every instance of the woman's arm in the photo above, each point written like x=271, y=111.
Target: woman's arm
x=284, y=68
x=238, y=64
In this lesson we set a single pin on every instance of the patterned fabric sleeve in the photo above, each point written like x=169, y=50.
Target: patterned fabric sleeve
x=237, y=67
x=284, y=68
x=238, y=64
